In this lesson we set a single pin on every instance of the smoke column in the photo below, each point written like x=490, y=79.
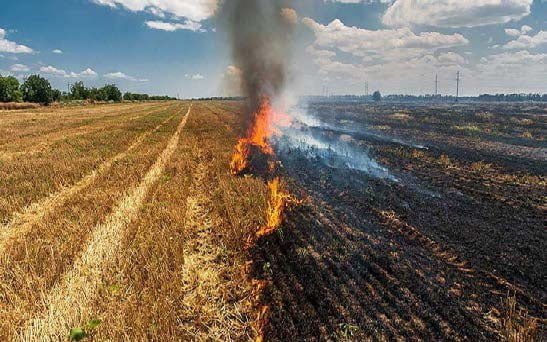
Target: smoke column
x=259, y=33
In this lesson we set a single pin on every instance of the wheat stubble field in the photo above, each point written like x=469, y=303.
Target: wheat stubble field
x=123, y=221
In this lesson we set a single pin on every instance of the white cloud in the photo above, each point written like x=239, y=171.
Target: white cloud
x=525, y=29
x=53, y=71
x=450, y=58
x=170, y=27
x=19, y=68
x=455, y=13
x=121, y=76
x=516, y=32
x=398, y=59
x=57, y=51
x=195, y=10
x=11, y=47
x=195, y=77
x=528, y=42
x=511, y=71
x=393, y=43
x=88, y=73
x=512, y=32
x=514, y=58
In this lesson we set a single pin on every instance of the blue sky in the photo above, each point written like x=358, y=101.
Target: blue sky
x=177, y=47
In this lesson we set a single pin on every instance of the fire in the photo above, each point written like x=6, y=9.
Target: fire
x=265, y=123
x=258, y=136
x=276, y=205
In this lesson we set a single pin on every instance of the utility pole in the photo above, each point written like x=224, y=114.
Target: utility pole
x=457, y=86
x=366, y=88
x=436, y=85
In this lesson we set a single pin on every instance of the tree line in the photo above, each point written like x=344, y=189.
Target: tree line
x=37, y=89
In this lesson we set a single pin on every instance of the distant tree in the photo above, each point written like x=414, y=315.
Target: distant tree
x=377, y=96
x=128, y=96
x=56, y=95
x=9, y=90
x=78, y=91
x=112, y=93
x=37, y=89
x=98, y=94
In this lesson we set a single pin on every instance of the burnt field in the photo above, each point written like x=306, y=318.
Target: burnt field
x=417, y=222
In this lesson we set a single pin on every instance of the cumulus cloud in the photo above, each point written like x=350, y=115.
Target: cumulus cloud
x=88, y=73
x=528, y=42
x=455, y=13
x=353, y=54
x=12, y=47
x=512, y=32
x=122, y=76
x=19, y=68
x=511, y=71
x=195, y=10
x=514, y=58
x=53, y=71
x=382, y=43
x=171, y=27
x=450, y=58
x=58, y=51
x=516, y=32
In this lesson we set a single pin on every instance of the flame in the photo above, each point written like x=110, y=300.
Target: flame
x=258, y=136
x=265, y=125
x=276, y=205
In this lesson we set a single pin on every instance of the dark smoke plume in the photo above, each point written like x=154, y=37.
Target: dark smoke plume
x=260, y=33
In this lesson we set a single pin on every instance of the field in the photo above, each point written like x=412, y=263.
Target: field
x=124, y=214
x=124, y=222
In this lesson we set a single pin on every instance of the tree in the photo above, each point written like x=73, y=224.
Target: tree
x=128, y=96
x=9, y=90
x=78, y=91
x=56, y=95
x=37, y=89
x=97, y=94
x=112, y=93
x=377, y=96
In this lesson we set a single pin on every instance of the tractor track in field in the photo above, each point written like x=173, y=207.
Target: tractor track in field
x=24, y=221
x=67, y=302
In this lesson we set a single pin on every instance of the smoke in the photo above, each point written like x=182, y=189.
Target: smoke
x=260, y=37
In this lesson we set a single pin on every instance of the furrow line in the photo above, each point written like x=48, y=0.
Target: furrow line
x=68, y=302
x=35, y=212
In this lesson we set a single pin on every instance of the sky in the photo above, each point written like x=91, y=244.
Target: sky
x=179, y=48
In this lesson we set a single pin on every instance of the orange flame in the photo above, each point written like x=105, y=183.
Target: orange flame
x=263, y=128
x=265, y=123
x=258, y=136
x=277, y=203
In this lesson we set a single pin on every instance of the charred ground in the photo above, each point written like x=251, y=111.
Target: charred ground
x=433, y=255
